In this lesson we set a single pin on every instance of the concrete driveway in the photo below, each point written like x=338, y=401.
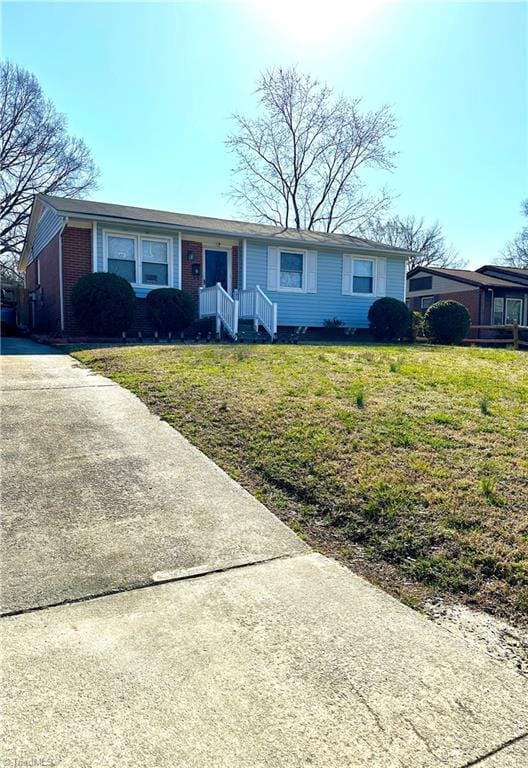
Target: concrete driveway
x=254, y=652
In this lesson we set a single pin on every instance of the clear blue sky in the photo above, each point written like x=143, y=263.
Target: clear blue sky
x=150, y=87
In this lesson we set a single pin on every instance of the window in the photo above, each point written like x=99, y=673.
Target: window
x=154, y=262
x=122, y=256
x=140, y=260
x=513, y=310
x=420, y=283
x=363, y=276
x=426, y=301
x=498, y=311
x=291, y=276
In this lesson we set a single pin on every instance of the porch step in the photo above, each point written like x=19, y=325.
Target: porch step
x=248, y=334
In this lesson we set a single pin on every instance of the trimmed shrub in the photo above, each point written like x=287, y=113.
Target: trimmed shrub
x=103, y=304
x=333, y=328
x=389, y=319
x=446, y=322
x=416, y=325
x=169, y=309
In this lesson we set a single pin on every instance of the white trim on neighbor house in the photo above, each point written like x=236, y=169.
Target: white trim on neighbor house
x=499, y=299
x=138, y=238
x=429, y=298
x=516, y=299
x=229, y=258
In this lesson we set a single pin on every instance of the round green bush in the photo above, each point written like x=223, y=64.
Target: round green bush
x=103, y=304
x=169, y=309
x=446, y=322
x=416, y=325
x=389, y=319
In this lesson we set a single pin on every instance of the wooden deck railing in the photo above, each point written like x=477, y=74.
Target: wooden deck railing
x=514, y=339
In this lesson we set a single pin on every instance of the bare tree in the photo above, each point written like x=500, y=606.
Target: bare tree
x=516, y=251
x=426, y=240
x=36, y=155
x=298, y=161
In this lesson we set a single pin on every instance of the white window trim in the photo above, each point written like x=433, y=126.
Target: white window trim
x=374, y=276
x=512, y=298
x=285, y=289
x=428, y=296
x=138, y=238
x=501, y=299
x=229, y=257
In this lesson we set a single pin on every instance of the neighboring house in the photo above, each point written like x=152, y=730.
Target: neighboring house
x=492, y=295
x=233, y=269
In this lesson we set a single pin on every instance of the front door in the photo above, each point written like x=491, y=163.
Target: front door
x=215, y=268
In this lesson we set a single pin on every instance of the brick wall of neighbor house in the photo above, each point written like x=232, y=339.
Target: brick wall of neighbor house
x=77, y=262
x=470, y=299
x=47, y=294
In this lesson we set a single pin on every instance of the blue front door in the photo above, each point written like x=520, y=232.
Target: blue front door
x=215, y=268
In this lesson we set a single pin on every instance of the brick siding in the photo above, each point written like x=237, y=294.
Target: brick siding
x=191, y=283
x=46, y=307
x=77, y=262
x=470, y=299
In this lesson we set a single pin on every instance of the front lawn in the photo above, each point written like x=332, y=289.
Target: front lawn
x=408, y=463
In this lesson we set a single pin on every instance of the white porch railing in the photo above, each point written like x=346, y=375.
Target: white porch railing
x=255, y=304
x=248, y=303
x=215, y=302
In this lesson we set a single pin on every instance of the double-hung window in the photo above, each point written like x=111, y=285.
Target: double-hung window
x=122, y=256
x=142, y=260
x=291, y=271
x=513, y=310
x=498, y=310
x=154, y=262
x=362, y=276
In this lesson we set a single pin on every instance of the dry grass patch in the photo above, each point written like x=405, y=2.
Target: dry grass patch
x=409, y=463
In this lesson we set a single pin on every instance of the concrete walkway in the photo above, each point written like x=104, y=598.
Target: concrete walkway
x=255, y=652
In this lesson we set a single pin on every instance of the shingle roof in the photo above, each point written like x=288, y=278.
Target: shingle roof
x=521, y=271
x=467, y=276
x=227, y=227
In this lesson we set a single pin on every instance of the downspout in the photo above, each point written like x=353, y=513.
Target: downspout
x=61, y=278
x=180, y=266
x=94, y=246
x=244, y=263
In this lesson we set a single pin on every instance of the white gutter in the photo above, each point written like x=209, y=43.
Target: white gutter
x=61, y=279
x=244, y=264
x=180, y=268
x=94, y=246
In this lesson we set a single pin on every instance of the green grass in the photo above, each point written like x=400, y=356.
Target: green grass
x=390, y=463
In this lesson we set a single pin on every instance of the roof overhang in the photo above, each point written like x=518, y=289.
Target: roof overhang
x=500, y=283
x=239, y=235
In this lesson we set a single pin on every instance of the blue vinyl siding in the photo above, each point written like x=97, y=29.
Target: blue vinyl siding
x=47, y=228
x=313, y=309
x=140, y=230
